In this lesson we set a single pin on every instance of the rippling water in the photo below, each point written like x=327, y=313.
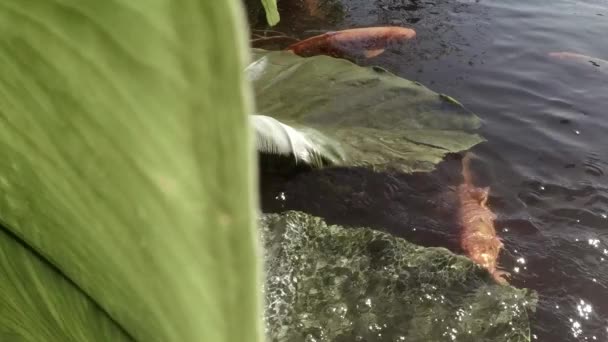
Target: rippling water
x=546, y=158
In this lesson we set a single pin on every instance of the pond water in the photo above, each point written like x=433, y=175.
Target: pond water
x=546, y=155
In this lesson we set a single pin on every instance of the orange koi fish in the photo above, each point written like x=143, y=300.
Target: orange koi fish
x=478, y=236
x=369, y=42
x=573, y=56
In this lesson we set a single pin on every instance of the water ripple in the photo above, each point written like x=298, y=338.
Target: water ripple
x=594, y=166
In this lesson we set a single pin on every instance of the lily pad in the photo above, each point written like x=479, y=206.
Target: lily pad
x=378, y=119
x=327, y=283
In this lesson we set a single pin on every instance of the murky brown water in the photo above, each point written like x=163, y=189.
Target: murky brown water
x=546, y=158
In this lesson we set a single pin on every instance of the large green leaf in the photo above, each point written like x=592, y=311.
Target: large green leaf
x=125, y=163
x=39, y=304
x=379, y=119
x=332, y=284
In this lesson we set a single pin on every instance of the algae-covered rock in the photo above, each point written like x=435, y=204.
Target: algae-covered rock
x=329, y=283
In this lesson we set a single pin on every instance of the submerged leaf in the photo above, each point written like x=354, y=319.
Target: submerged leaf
x=329, y=283
x=307, y=145
x=379, y=119
x=125, y=163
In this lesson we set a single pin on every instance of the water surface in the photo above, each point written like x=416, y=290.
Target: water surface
x=546, y=155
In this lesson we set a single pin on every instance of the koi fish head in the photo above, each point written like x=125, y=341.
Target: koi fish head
x=484, y=251
x=480, y=195
x=371, y=40
x=377, y=40
x=399, y=34
x=562, y=55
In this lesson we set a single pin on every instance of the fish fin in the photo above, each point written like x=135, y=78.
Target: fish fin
x=501, y=277
x=484, y=193
x=480, y=195
x=373, y=53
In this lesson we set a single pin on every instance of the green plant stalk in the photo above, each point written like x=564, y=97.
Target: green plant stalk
x=272, y=12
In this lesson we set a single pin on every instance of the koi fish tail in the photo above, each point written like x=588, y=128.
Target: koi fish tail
x=501, y=277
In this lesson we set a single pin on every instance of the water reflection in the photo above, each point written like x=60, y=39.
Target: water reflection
x=584, y=309
x=576, y=328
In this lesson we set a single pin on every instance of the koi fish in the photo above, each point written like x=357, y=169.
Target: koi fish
x=312, y=7
x=478, y=236
x=579, y=58
x=369, y=42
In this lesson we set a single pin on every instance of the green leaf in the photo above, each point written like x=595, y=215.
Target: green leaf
x=40, y=304
x=272, y=12
x=330, y=283
x=125, y=163
x=380, y=120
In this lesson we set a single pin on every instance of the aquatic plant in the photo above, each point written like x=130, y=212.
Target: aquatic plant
x=328, y=283
x=272, y=13
x=270, y=10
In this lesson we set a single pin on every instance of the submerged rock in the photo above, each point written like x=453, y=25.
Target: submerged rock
x=329, y=283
